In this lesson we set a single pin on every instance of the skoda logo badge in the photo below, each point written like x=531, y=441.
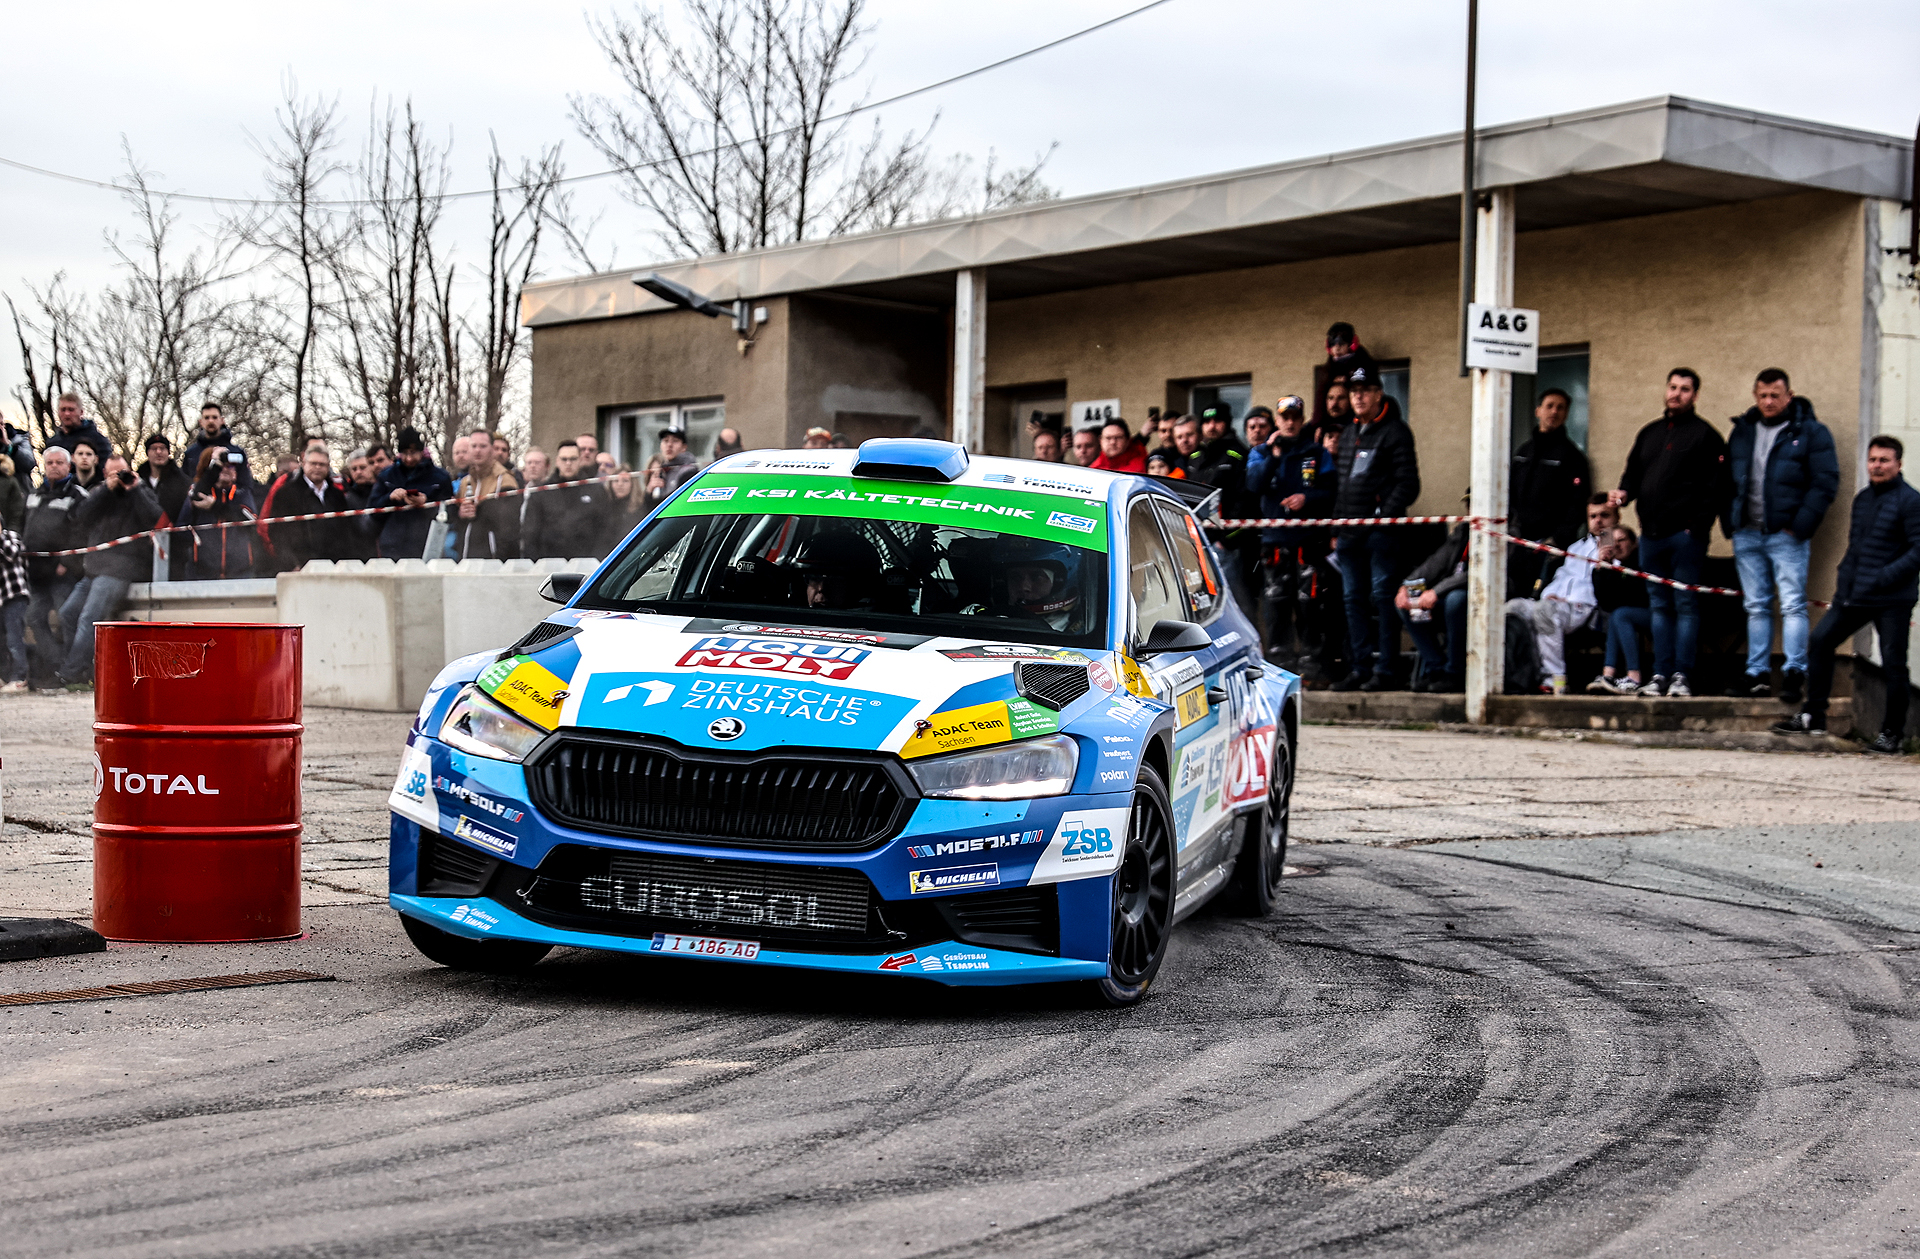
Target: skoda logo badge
x=726, y=728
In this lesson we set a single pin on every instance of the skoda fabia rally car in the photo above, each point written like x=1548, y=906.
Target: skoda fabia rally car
x=982, y=721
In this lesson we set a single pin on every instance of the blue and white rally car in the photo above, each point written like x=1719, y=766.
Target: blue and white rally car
x=895, y=710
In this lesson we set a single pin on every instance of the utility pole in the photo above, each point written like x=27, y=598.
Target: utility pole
x=1468, y=175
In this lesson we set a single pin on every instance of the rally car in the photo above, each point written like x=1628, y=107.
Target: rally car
x=894, y=710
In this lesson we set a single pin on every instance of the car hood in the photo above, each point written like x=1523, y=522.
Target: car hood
x=744, y=686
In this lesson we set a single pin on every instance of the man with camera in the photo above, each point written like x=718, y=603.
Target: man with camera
x=120, y=505
x=214, y=432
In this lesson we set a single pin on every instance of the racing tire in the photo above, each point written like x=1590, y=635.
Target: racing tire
x=1263, y=852
x=1142, y=897
x=489, y=957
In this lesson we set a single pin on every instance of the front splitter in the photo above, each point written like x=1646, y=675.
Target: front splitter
x=949, y=962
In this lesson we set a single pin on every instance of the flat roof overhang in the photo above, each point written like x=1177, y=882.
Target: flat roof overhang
x=1622, y=161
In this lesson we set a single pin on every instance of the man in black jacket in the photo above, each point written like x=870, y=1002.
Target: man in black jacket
x=170, y=486
x=1785, y=476
x=51, y=527
x=569, y=523
x=310, y=491
x=1379, y=473
x=1677, y=471
x=214, y=432
x=1878, y=585
x=1551, y=483
x=412, y=482
x=76, y=430
x=119, y=506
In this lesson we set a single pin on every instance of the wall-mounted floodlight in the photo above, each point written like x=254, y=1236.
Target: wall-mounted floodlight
x=680, y=295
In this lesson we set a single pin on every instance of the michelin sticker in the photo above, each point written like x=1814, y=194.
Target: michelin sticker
x=955, y=879
x=485, y=836
x=1086, y=844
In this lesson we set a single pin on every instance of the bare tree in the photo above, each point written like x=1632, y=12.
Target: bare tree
x=736, y=137
x=520, y=209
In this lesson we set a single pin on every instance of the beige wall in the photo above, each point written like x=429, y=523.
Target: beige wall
x=1727, y=291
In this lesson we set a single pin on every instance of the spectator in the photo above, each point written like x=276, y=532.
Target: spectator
x=1550, y=486
x=627, y=506
x=569, y=523
x=170, y=487
x=119, y=506
x=16, y=596
x=1439, y=584
x=1785, y=476
x=215, y=433
x=534, y=467
x=1379, y=475
x=1186, y=440
x=1221, y=459
x=19, y=447
x=1259, y=425
x=1086, y=445
x=312, y=490
x=502, y=451
x=1878, y=585
x=51, y=527
x=488, y=525
x=1677, y=472
x=76, y=431
x=1159, y=465
x=1119, y=452
x=727, y=443
x=1152, y=433
x=1343, y=350
x=1046, y=446
x=589, y=452
x=379, y=458
x=677, y=466
x=457, y=456
x=1568, y=602
x=217, y=498
x=1337, y=417
x=1289, y=476
x=817, y=438
x=86, y=467
x=359, y=534
x=605, y=464
x=13, y=499
x=1623, y=598
x=413, y=482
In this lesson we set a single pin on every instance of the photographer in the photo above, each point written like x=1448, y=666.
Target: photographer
x=119, y=506
x=214, y=553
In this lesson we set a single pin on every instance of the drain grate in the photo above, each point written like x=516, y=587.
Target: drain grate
x=158, y=986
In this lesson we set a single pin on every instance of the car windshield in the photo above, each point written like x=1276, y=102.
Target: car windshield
x=844, y=561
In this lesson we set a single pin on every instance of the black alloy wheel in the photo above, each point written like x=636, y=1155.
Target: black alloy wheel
x=1263, y=852
x=1142, y=896
x=490, y=957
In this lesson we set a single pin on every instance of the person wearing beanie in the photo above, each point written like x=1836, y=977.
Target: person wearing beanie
x=410, y=481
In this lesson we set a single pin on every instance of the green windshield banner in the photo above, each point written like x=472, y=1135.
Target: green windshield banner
x=1077, y=522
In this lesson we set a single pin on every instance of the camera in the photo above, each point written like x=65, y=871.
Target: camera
x=234, y=456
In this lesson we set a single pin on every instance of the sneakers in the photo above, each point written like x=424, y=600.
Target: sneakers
x=1678, y=688
x=14, y=688
x=1799, y=723
x=1604, y=685
x=1886, y=742
x=1655, y=687
x=1352, y=682
x=1751, y=686
x=1793, y=687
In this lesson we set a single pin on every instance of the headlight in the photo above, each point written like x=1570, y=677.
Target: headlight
x=478, y=725
x=1019, y=771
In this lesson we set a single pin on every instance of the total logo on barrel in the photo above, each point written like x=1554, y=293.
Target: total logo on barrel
x=134, y=782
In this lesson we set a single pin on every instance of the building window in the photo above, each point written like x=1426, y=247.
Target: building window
x=1233, y=392
x=1561, y=367
x=632, y=434
x=1396, y=381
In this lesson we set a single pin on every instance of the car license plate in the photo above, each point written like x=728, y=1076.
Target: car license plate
x=705, y=946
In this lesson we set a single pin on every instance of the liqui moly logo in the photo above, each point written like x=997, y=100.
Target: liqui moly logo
x=832, y=661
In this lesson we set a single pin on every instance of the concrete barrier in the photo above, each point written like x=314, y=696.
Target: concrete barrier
x=378, y=631
x=249, y=600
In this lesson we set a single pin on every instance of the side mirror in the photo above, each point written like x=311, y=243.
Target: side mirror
x=562, y=587
x=1175, y=636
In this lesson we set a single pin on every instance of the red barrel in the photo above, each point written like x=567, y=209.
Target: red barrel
x=196, y=781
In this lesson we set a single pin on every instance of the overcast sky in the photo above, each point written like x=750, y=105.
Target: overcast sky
x=1193, y=87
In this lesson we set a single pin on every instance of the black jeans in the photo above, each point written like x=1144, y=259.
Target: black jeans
x=1841, y=623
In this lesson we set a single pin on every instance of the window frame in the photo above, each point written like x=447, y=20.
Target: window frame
x=1135, y=634
x=1210, y=571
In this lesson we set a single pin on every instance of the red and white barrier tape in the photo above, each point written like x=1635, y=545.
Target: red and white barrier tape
x=1351, y=522
x=256, y=521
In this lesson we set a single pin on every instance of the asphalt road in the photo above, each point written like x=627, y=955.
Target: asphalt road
x=1695, y=1043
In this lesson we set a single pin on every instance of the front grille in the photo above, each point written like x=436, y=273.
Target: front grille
x=1026, y=919
x=447, y=868
x=638, y=893
x=622, y=786
x=1055, y=685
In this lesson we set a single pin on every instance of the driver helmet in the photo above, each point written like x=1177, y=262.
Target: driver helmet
x=1062, y=561
x=846, y=564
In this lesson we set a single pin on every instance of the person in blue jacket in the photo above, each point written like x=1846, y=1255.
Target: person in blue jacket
x=1878, y=585
x=1290, y=476
x=412, y=481
x=1785, y=476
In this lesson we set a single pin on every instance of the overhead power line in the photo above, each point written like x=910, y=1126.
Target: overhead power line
x=1035, y=51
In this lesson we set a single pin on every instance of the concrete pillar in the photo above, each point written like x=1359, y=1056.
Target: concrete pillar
x=1492, y=435
x=970, y=359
